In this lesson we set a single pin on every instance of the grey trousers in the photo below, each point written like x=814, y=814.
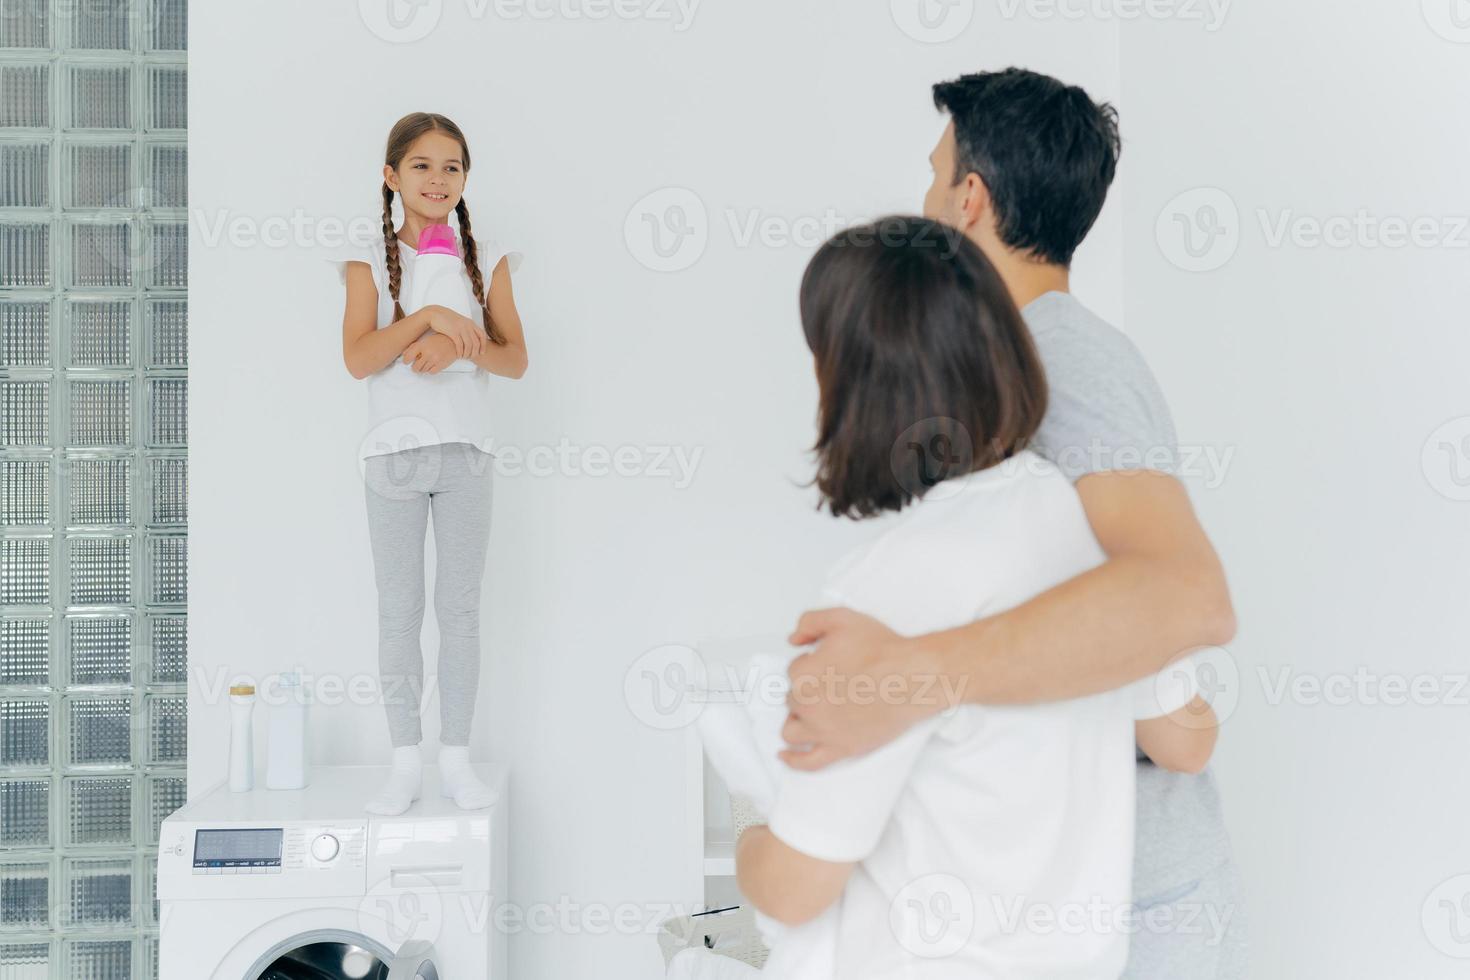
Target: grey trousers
x=1198, y=931
x=453, y=481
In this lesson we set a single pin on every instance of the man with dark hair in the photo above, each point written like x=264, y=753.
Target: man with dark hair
x=1023, y=168
x=1045, y=153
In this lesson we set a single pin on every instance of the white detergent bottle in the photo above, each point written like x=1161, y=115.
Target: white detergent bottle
x=286, y=754
x=439, y=280
x=242, y=738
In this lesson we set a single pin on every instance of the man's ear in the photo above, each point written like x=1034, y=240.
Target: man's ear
x=974, y=202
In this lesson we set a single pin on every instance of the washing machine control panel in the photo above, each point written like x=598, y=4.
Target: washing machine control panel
x=337, y=846
x=274, y=850
x=237, y=850
x=324, y=847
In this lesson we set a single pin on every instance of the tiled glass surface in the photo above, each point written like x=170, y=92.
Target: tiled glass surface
x=100, y=333
x=168, y=323
x=99, y=96
x=25, y=651
x=93, y=477
x=150, y=957
x=165, y=795
x=25, y=733
x=25, y=95
x=25, y=492
x=25, y=412
x=167, y=728
x=100, y=24
x=100, y=255
x=97, y=174
x=25, y=960
x=25, y=570
x=168, y=411
x=101, y=490
x=25, y=333
x=101, y=570
x=169, y=30
x=169, y=646
x=169, y=243
x=168, y=563
x=101, y=731
x=25, y=895
x=170, y=491
x=25, y=253
x=167, y=97
x=25, y=805
x=99, y=811
x=101, y=412
x=168, y=175
x=150, y=907
x=99, y=892
x=27, y=169
x=99, y=959
x=100, y=649
x=26, y=25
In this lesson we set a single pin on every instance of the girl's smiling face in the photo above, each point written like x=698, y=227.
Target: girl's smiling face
x=430, y=178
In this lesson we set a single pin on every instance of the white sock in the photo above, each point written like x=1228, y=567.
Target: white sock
x=405, y=780
x=459, y=782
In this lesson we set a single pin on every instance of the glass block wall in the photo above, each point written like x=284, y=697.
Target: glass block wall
x=93, y=476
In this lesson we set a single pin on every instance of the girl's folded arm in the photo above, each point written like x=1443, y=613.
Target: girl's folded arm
x=1181, y=741
x=782, y=882
x=509, y=360
x=366, y=349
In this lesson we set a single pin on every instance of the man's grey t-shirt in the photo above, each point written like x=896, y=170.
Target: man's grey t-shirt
x=1105, y=412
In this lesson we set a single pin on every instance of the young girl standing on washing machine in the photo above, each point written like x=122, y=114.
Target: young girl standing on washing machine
x=426, y=448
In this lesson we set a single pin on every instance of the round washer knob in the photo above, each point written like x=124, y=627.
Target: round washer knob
x=324, y=847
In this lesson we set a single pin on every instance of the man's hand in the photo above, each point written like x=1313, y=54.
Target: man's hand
x=1160, y=594
x=861, y=687
x=430, y=354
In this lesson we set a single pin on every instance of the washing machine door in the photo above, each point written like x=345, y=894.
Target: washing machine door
x=339, y=956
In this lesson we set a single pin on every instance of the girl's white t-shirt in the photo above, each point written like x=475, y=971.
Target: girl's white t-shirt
x=408, y=409
x=990, y=842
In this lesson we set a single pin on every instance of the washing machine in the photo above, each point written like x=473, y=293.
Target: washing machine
x=305, y=885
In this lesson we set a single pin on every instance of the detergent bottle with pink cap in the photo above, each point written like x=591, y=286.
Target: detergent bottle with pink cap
x=439, y=280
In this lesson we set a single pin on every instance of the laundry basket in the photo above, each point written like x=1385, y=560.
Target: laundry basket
x=743, y=814
x=726, y=932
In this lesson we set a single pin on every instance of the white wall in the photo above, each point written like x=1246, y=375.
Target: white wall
x=1325, y=370
x=781, y=113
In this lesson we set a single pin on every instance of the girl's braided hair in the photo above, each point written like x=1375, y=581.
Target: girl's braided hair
x=400, y=138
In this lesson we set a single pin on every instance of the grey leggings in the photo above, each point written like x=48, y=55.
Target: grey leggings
x=453, y=480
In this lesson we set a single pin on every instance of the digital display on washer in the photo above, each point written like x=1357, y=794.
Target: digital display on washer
x=238, y=848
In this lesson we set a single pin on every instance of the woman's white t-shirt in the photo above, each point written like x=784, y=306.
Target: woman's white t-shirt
x=406, y=408
x=991, y=842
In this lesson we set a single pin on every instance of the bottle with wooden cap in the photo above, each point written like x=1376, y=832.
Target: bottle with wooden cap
x=242, y=738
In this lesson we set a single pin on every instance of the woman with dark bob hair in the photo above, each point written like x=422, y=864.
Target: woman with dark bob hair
x=926, y=369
